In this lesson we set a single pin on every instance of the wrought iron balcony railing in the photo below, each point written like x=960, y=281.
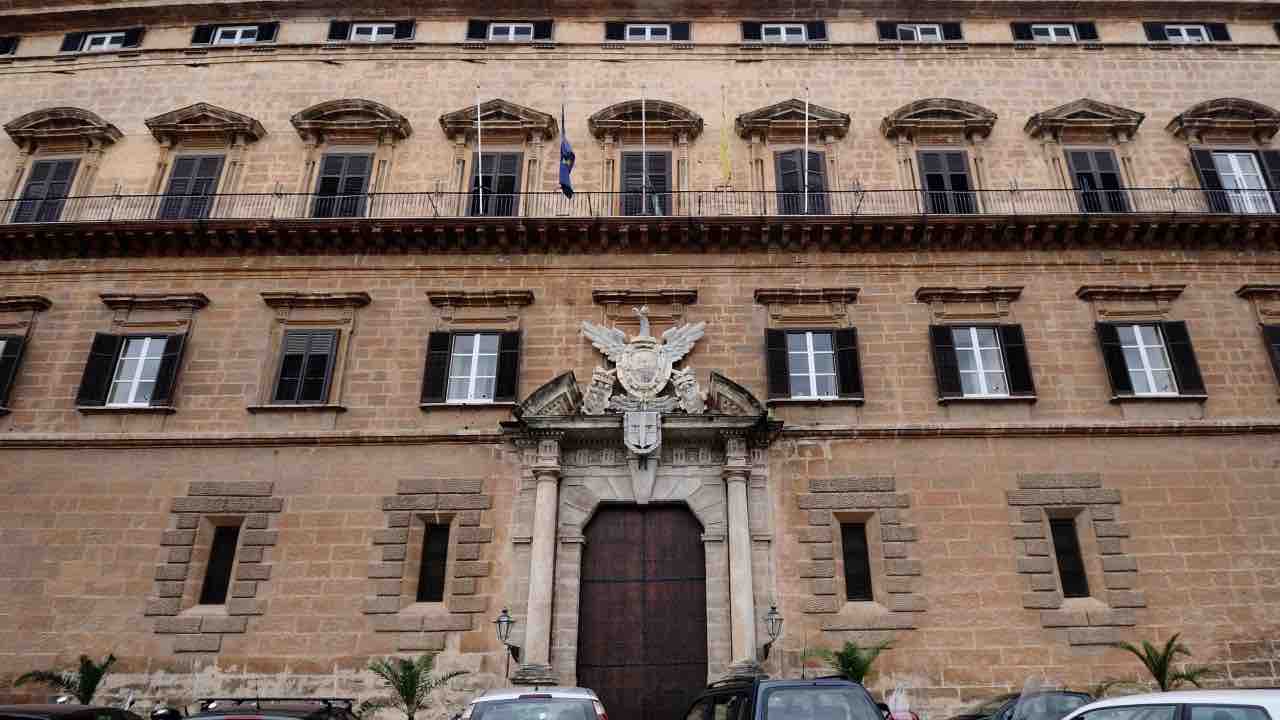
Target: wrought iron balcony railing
x=692, y=203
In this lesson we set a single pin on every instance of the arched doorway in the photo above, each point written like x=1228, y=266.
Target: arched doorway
x=642, y=639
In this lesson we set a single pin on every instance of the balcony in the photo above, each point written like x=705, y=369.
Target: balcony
x=459, y=221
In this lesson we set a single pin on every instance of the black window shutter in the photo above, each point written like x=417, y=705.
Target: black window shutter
x=816, y=31
x=1210, y=181
x=779, y=374
x=1086, y=31
x=542, y=29
x=945, y=365
x=267, y=31
x=478, y=30
x=1113, y=358
x=95, y=384
x=1218, y=32
x=1155, y=32
x=133, y=37
x=404, y=29
x=8, y=45
x=338, y=30
x=848, y=365
x=887, y=30
x=1017, y=364
x=317, y=370
x=952, y=31
x=1271, y=168
x=507, y=383
x=615, y=31
x=203, y=34
x=167, y=374
x=751, y=31
x=1022, y=31
x=1270, y=335
x=1177, y=342
x=72, y=42
x=10, y=358
x=435, y=376
x=680, y=32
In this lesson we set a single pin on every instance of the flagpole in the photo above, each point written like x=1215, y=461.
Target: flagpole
x=644, y=157
x=479, y=153
x=805, y=172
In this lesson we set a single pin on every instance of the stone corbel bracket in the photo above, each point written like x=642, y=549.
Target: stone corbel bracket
x=993, y=302
x=286, y=301
x=482, y=306
x=137, y=310
x=18, y=312
x=666, y=305
x=1126, y=302
x=1265, y=300
x=818, y=305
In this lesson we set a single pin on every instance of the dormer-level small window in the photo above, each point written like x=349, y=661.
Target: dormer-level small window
x=1053, y=33
x=1190, y=34
x=8, y=45
x=236, y=35
x=103, y=42
x=370, y=32
x=511, y=32
x=783, y=33
x=648, y=33
x=919, y=32
x=373, y=32
x=1186, y=33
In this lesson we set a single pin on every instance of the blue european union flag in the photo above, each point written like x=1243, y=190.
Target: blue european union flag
x=566, y=159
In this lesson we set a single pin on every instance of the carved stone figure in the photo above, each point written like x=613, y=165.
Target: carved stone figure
x=598, y=393
x=686, y=385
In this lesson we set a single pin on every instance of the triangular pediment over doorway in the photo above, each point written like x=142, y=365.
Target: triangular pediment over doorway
x=788, y=118
x=1084, y=114
x=204, y=120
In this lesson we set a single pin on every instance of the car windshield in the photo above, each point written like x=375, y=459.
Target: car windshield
x=819, y=703
x=989, y=707
x=535, y=709
x=1048, y=705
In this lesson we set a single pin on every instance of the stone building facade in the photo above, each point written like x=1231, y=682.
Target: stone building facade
x=956, y=500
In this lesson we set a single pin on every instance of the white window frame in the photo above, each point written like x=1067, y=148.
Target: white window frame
x=648, y=32
x=980, y=369
x=916, y=32
x=1058, y=32
x=234, y=35
x=1146, y=368
x=472, y=375
x=379, y=32
x=1243, y=200
x=111, y=41
x=811, y=372
x=134, y=382
x=509, y=32
x=783, y=30
x=1182, y=36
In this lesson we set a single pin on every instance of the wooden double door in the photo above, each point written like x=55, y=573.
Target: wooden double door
x=642, y=625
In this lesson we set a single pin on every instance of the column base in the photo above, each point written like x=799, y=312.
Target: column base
x=529, y=674
x=745, y=669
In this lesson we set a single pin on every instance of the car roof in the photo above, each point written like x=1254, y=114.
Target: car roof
x=834, y=682
x=495, y=694
x=56, y=709
x=268, y=708
x=1268, y=698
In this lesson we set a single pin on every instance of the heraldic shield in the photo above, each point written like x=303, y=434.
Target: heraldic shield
x=641, y=431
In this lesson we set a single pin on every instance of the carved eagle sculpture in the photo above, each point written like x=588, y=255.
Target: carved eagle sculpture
x=676, y=342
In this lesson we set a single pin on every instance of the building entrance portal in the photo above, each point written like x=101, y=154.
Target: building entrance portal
x=642, y=638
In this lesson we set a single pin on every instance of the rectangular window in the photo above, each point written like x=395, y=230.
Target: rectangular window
x=1150, y=360
x=1096, y=177
x=1053, y=33
x=372, y=32
x=495, y=190
x=131, y=370
x=811, y=361
x=103, y=42
x=945, y=176
x=435, y=558
x=48, y=185
x=783, y=33
x=511, y=32
x=1147, y=360
x=648, y=33
x=473, y=367
x=10, y=357
x=1243, y=184
x=1066, y=546
x=341, y=186
x=981, y=362
x=1270, y=336
x=9, y=45
x=857, y=561
x=1186, y=34
x=794, y=197
x=646, y=183
x=236, y=35
x=919, y=32
x=136, y=372
x=306, y=367
x=222, y=558
x=192, y=182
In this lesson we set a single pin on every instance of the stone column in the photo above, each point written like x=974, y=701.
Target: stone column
x=535, y=661
x=737, y=473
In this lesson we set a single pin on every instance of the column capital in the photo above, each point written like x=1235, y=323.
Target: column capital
x=546, y=463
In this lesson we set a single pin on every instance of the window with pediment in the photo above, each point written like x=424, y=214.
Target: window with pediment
x=497, y=159
x=202, y=154
x=646, y=150
x=776, y=136
x=59, y=152
x=940, y=144
x=351, y=144
x=1087, y=145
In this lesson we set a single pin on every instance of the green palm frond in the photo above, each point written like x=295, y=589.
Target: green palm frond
x=83, y=683
x=411, y=684
x=1159, y=662
x=852, y=661
x=1191, y=675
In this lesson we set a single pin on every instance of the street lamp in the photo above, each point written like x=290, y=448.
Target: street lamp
x=773, y=626
x=503, y=627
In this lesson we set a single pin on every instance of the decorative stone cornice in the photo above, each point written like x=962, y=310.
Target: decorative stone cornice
x=1254, y=290
x=24, y=303
x=990, y=293
x=630, y=296
x=661, y=117
x=1084, y=114
x=1226, y=115
x=61, y=124
x=499, y=117
x=203, y=120
x=154, y=301
x=1111, y=293
x=1265, y=300
x=806, y=296
x=938, y=115
x=288, y=299
x=788, y=118
x=350, y=116
x=480, y=298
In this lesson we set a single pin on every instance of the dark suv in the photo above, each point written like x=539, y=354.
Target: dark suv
x=274, y=709
x=763, y=699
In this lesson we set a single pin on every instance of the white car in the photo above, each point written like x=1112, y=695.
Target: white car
x=1188, y=705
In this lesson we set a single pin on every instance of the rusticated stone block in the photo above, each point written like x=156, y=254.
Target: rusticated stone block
x=469, y=551
x=474, y=535
x=1033, y=497
x=231, y=488
x=463, y=502
x=467, y=518
x=178, y=537
x=848, y=501
x=1111, y=529
x=1093, y=636
x=197, y=643
x=1118, y=580
x=1034, y=548
x=889, y=516
x=420, y=642
x=1049, y=481
x=241, y=589
x=822, y=586
x=898, y=533
x=395, y=536
x=386, y=570
x=1025, y=531
x=894, y=549
x=204, y=505
x=170, y=589
x=246, y=606
x=163, y=606
x=216, y=624
x=171, y=572
x=398, y=519
x=259, y=537
x=899, y=584
x=187, y=522
x=867, y=484
x=251, y=554
x=465, y=569
x=446, y=623
x=397, y=622
x=1119, y=563
x=1035, y=565
x=1102, y=512
x=902, y=567
x=1110, y=546
x=1102, y=496
x=467, y=604
x=1044, y=581
x=821, y=604
x=172, y=625
x=462, y=586
x=817, y=569
x=180, y=555
x=1063, y=618
x=426, y=486
x=409, y=502
x=1126, y=599
x=382, y=604
x=1041, y=600
x=819, y=517
x=394, y=552
x=821, y=551
x=906, y=603
x=1114, y=617
x=256, y=521
x=255, y=505
x=387, y=587
x=253, y=571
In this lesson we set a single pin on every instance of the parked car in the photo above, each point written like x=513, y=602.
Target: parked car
x=762, y=699
x=64, y=712
x=274, y=709
x=1035, y=705
x=986, y=708
x=1186, y=705
x=550, y=703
